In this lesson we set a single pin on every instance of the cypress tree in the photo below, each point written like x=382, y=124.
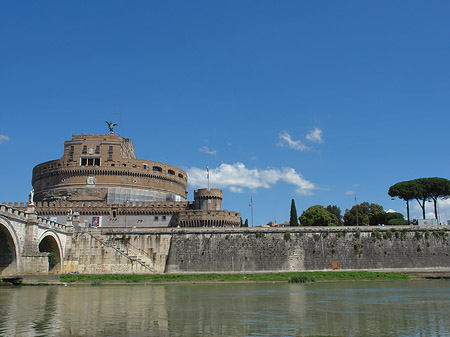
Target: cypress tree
x=294, y=219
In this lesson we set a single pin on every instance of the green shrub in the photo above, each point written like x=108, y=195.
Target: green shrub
x=301, y=279
x=96, y=283
x=418, y=235
x=358, y=248
x=388, y=235
x=376, y=235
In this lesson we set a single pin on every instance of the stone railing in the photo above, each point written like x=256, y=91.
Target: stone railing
x=53, y=224
x=23, y=213
x=12, y=210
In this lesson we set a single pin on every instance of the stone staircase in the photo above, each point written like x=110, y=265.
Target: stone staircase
x=135, y=254
x=131, y=253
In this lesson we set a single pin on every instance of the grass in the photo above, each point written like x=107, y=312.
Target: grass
x=238, y=277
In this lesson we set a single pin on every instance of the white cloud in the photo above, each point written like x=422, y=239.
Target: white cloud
x=4, y=139
x=236, y=177
x=350, y=192
x=206, y=149
x=236, y=189
x=315, y=136
x=286, y=140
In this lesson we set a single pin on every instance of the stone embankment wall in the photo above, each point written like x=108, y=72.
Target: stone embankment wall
x=253, y=250
x=310, y=249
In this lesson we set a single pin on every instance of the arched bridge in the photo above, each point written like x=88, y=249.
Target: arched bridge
x=30, y=244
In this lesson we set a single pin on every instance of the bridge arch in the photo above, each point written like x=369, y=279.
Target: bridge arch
x=49, y=242
x=9, y=249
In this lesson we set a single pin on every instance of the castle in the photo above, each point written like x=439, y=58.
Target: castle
x=99, y=209
x=100, y=181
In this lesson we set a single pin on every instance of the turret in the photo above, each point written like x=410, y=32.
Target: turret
x=205, y=199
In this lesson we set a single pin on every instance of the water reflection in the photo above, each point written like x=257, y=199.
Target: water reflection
x=411, y=308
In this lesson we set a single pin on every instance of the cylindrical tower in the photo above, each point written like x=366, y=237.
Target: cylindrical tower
x=205, y=199
x=105, y=168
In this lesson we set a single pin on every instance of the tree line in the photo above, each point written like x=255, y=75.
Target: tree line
x=363, y=214
x=371, y=214
x=421, y=190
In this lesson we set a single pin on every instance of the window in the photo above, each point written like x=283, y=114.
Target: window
x=164, y=217
x=171, y=172
x=84, y=148
x=97, y=149
x=70, y=157
x=71, y=148
x=157, y=169
x=156, y=218
x=110, y=157
x=145, y=167
x=110, y=149
x=90, y=161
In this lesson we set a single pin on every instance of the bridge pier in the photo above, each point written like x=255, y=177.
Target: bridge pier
x=30, y=244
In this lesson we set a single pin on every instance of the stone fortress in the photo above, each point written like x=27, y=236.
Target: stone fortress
x=99, y=209
x=100, y=180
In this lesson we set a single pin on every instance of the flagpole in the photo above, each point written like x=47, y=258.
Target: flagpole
x=207, y=175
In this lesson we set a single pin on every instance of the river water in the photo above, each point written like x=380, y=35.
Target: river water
x=390, y=308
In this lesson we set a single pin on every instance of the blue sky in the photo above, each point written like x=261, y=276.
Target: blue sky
x=311, y=100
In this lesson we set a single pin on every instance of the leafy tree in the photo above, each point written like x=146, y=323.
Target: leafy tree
x=406, y=190
x=365, y=214
x=434, y=188
x=357, y=215
x=333, y=209
x=395, y=219
x=420, y=194
x=293, y=220
x=421, y=189
x=245, y=224
x=377, y=215
x=318, y=216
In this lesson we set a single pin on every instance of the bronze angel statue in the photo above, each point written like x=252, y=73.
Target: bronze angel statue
x=111, y=127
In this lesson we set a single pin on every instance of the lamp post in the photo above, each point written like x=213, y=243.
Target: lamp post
x=251, y=206
x=356, y=207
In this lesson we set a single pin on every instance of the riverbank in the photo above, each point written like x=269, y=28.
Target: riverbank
x=230, y=277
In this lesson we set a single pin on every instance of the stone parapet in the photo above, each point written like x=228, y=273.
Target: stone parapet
x=49, y=209
x=204, y=193
x=205, y=218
